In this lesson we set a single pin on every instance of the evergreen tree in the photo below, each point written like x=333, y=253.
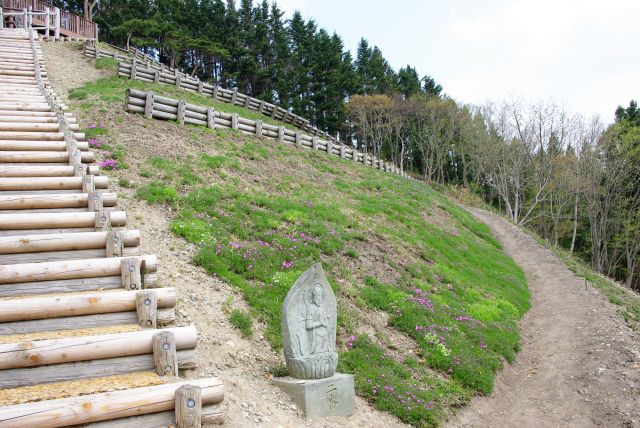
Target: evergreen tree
x=408, y=81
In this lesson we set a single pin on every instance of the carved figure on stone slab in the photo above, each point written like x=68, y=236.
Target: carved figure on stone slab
x=309, y=317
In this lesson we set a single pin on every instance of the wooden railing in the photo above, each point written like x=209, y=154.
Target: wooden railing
x=163, y=108
x=39, y=12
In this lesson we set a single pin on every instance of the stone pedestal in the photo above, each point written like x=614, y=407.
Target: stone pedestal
x=332, y=396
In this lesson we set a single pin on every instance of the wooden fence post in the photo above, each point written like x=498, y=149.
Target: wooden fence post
x=88, y=184
x=148, y=105
x=314, y=143
x=188, y=407
x=56, y=33
x=200, y=86
x=156, y=76
x=178, y=81
x=164, y=353
x=132, y=75
x=281, y=134
x=115, y=243
x=274, y=111
x=329, y=147
x=211, y=118
x=48, y=22
x=261, y=109
x=214, y=94
x=343, y=153
x=233, y=97
x=298, y=139
x=234, y=121
x=131, y=273
x=247, y=100
x=181, y=112
x=259, y=128
x=147, y=308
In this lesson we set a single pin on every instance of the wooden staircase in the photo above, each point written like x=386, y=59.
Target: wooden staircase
x=85, y=334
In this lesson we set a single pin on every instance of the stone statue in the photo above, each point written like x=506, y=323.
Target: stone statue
x=309, y=316
x=309, y=323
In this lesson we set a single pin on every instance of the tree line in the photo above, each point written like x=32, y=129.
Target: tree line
x=251, y=47
x=575, y=181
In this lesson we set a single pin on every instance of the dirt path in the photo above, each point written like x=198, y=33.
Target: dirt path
x=579, y=361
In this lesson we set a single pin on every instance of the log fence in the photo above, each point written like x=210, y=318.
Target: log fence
x=158, y=107
x=78, y=301
x=136, y=65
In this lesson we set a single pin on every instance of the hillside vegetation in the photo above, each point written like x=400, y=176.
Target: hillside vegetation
x=428, y=303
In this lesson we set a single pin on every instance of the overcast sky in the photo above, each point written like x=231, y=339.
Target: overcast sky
x=584, y=54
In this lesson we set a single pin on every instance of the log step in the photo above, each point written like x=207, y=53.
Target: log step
x=59, y=220
x=44, y=146
x=74, y=304
x=51, y=200
x=71, y=269
x=43, y=170
x=33, y=156
x=105, y=406
x=49, y=183
x=35, y=353
x=63, y=242
x=32, y=119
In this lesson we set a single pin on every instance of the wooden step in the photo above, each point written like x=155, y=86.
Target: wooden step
x=51, y=200
x=48, y=183
x=84, y=310
x=33, y=353
x=33, y=119
x=65, y=270
x=12, y=245
x=45, y=146
x=43, y=170
x=32, y=136
x=60, y=220
x=106, y=406
x=32, y=156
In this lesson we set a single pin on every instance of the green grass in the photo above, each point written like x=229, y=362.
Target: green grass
x=107, y=64
x=459, y=298
x=260, y=213
x=242, y=321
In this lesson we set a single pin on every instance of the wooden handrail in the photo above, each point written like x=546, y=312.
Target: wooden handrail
x=73, y=24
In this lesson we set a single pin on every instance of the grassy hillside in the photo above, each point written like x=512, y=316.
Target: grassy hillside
x=428, y=304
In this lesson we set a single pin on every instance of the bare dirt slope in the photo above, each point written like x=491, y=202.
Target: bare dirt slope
x=251, y=400
x=579, y=365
